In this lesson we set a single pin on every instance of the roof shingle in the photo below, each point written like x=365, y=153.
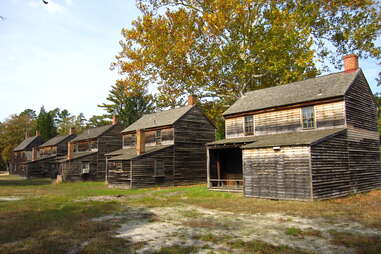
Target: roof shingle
x=92, y=133
x=158, y=119
x=25, y=143
x=55, y=141
x=323, y=87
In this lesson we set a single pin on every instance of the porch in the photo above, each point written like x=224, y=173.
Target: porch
x=225, y=169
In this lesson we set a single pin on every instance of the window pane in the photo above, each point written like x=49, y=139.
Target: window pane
x=308, y=117
x=158, y=137
x=249, y=125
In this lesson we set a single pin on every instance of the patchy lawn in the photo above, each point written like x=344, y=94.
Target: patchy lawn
x=87, y=217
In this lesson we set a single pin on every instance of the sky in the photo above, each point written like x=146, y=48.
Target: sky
x=59, y=54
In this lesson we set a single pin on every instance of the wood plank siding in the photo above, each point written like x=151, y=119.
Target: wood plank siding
x=363, y=137
x=180, y=160
x=283, y=174
x=192, y=132
x=327, y=115
x=108, y=141
x=329, y=167
x=282, y=159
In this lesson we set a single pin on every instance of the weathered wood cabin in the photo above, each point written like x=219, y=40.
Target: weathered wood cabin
x=45, y=161
x=85, y=158
x=313, y=139
x=23, y=153
x=162, y=149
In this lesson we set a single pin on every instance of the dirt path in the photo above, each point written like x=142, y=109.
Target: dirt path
x=216, y=230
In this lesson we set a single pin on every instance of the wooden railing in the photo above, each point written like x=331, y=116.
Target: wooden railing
x=226, y=184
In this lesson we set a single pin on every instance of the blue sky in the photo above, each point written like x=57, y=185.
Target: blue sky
x=58, y=55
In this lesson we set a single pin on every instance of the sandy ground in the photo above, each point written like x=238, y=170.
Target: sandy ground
x=160, y=227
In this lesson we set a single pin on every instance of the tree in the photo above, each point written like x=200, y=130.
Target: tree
x=14, y=130
x=128, y=102
x=98, y=120
x=65, y=121
x=46, y=123
x=221, y=49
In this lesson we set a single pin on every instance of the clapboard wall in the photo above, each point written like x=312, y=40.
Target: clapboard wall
x=192, y=132
x=363, y=136
x=327, y=115
x=109, y=141
x=329, y=167
x=283, y=174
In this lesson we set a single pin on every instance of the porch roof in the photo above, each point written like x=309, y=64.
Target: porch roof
x=78, y=155
x=130, y=153
x=284, y=139
x=294, y=138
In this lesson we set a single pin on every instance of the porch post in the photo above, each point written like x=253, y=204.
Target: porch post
x=208, y=166
x=219, y=183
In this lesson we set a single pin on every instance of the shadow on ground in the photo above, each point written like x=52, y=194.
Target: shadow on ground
x=19, y=181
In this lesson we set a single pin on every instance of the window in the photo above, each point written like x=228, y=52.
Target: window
x=129, y=140
x=308, y=117
x=85, y=167
x=93, y=145
x=158, y=137
x=158, y=168
x=249, y=125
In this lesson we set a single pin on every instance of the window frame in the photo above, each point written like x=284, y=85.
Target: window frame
x=252, y=126
x=158, y=172
x=313, y=117
x=158, y=138
x=85, y=167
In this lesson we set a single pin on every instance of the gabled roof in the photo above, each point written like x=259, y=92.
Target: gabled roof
x=56, y=140
x=92, y=133
x=323, y=87
x=26, y=142
x=130, y=153
x=163, y=118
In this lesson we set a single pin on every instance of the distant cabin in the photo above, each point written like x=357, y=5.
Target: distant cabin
x=45, y=157
x=313, y=139
x=162, y=149
x=23, y=154
x=85, y=159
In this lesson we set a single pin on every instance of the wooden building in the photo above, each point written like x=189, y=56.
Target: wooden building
x=23, y=153
x=162, y=149
x=313, y=139
x=45, y=163
x=85, y=159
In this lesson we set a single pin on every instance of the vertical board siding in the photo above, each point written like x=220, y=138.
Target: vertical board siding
x=329, y=166
x=327, y=115
x=363, y=137
x=281, y=174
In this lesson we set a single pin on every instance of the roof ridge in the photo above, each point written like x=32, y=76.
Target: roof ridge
x=292, y=83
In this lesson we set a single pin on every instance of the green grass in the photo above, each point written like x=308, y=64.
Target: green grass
x=49, y=218
x=363, y=244
x=256, y=246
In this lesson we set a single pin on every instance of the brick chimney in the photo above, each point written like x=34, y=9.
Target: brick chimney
x=70, y=150
x=351, y=63
x=115, y=120
x=34, y=153
x=72, y=131
x=38, y=133
x=140, y=142
x=192, y=100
